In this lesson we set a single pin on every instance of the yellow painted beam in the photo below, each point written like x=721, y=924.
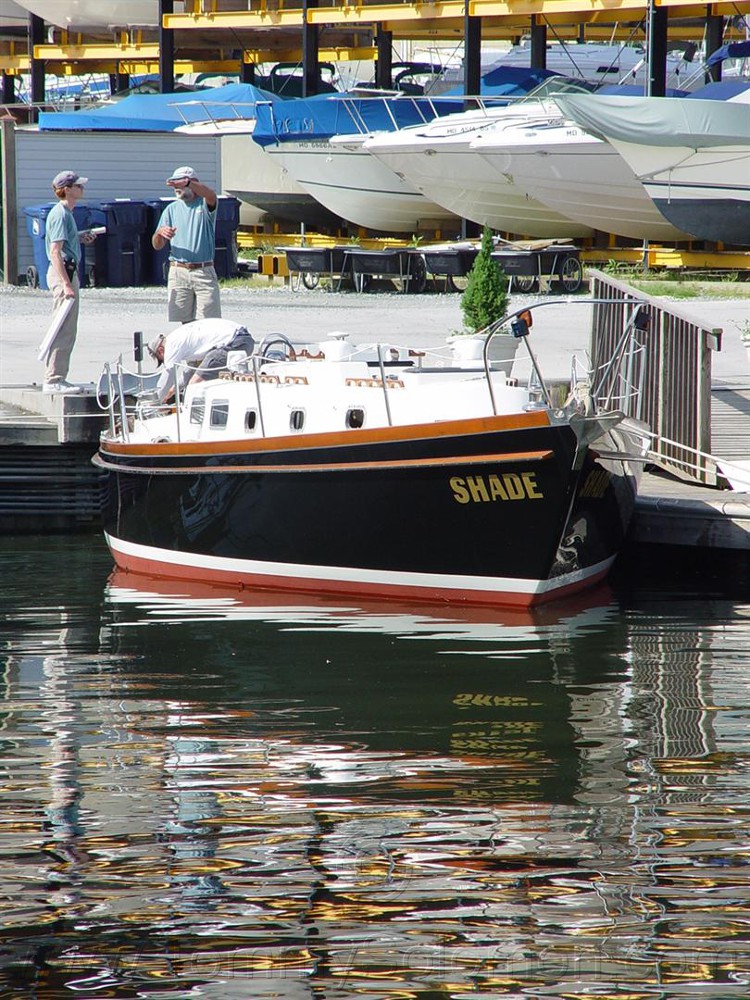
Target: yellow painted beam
x=258, y=56
x=670, y=258
x=136, y=66
x=67, y=53
x=541, y=8
x=13, y=65
x=149, y=53
x=361, y=14
x=263, y=18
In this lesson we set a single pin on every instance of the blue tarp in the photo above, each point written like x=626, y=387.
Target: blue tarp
x=720, y=90
x=154, y=113
x=319, y=118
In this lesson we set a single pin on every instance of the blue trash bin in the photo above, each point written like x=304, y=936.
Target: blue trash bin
x=227, y=224
x=125, y=220
x=157, y=261
x=86, y=216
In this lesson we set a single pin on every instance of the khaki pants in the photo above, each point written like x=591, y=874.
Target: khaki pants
x=192, y=294
x=58, y=359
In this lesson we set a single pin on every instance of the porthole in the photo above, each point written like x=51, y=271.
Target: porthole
x=251, y=418
x=219, y=413
x=197, y=410
x=355, y=418
x=297, y=420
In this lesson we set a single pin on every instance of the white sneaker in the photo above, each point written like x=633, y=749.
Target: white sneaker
x=63, y=388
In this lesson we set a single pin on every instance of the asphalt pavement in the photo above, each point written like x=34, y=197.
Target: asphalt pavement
x=110, y=316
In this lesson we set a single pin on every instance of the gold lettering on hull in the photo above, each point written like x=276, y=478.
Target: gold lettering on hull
x=486, y=489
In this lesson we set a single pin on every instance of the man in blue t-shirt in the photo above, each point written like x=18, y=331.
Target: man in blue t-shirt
x=188, y=224
x=62, y=241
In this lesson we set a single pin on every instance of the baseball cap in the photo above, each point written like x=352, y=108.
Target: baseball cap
x=67, y=178
x=183, y=174
x=154, y=345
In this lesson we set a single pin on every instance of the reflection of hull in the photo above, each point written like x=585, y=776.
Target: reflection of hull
x=384, y=676
x=237, y=517
x=164, y=597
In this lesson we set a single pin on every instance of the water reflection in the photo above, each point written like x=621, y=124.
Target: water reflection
x=213, y=794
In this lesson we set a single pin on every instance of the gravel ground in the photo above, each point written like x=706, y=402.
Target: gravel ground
x=109, y=316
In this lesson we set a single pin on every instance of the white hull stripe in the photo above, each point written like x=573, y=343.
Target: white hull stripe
x=345, y=574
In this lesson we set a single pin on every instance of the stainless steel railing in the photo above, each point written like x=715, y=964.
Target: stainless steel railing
x=675, y=381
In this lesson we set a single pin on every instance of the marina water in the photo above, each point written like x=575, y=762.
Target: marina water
x=225, y=794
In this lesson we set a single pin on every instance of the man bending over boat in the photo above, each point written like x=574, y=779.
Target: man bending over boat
x=198, y=349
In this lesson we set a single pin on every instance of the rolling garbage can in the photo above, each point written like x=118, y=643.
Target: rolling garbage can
x=125, y=220
x=86, y=216
x=156, y=261
x=227, y=224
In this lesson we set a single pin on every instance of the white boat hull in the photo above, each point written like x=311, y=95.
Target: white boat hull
x=450, y=173
x=705, y=190
x=95, y=13
x=692, y=157
x=344, y=178
x=584, y=178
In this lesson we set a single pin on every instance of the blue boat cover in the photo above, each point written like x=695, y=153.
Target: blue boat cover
x=733, y=50
x=156, y=112
x=318, y=118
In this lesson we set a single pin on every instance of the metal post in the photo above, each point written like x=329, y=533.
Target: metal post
x=714, y=39
x=8, y=89
x=166, y=49
x=110, y=399
x=248, y=72
x=538, y=44
x=9, y=200
x=36, y=66
x=472, y=53
x=256, y=375
x=384, y=61
x=310, y=68
x=177, y=400
x=385, y=387
x=657, y=50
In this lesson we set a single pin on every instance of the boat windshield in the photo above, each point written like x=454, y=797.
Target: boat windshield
x=557, y=85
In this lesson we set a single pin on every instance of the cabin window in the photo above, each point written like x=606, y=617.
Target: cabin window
x=251, y=418
x=355, y=418
x=197, y=410
x=219, y=413
x=297, y=420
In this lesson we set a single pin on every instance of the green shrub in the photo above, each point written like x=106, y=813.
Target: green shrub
x=486, y=297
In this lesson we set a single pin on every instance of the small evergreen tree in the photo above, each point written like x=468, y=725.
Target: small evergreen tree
x=486, y=297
